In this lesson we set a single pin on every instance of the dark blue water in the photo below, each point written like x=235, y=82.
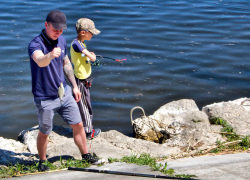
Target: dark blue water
x=175, y=49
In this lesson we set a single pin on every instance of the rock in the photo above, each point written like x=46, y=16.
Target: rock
x=109, y=144
x=237, y=115
x=178, y=123
x=60, y=143
x=116, y=145
x=13, y=152
x=178, y=127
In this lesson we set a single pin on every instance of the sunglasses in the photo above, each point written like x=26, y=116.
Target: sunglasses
x=89, y=31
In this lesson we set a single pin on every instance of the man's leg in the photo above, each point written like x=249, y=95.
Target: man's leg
x=45, y=112
x=42, y=142
x=81, y=142
x=71, y=115
x=80, y=137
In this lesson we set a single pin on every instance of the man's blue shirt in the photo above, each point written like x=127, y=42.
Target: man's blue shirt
x=46, y=80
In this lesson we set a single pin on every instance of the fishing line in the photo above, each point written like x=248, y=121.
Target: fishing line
x=117, y=60
x=98, y=62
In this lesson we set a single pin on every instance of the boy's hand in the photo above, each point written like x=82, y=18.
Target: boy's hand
x=93, y=55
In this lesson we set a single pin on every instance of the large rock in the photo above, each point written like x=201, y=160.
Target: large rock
x=108, y=144
x=60, y=143
x=237, y=115
x=178, y=123
x=116, y=145
x=12, y=152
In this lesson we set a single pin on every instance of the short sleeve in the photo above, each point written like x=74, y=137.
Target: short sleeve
x=34, y=46
x=77, y=46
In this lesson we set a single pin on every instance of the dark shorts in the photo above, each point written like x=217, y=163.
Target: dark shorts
x=67, y=109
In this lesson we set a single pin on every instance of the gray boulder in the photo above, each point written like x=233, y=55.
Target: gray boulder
x=178, y=123
x=116, y=145
x=61, y=142
x=12, y=152
x=108, y=144
x=237, y=115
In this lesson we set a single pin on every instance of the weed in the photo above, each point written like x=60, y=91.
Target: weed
x=232, y=136
x=218, y=121
x=185, y=176
x=75, y=163
x=17, y=169
x=4, y=172
x=164, y=170
x=196, y=121
x=146, y=159
x=111, y=160
x=245, y=142
x=226, y=128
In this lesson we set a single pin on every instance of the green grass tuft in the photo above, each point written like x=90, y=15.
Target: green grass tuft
x=244, y=145
x=17, y=169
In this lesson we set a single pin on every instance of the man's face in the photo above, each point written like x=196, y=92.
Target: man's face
x=52, y=32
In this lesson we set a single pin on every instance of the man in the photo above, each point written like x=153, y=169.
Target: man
x=49, y=62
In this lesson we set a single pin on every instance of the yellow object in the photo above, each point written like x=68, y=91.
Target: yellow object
x=61, y=91
x=82, y=69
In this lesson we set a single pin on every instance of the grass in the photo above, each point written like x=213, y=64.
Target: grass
x=146, y=159
x=21, y=169
x=143, y=159
x=232, y=136
x=196, y=121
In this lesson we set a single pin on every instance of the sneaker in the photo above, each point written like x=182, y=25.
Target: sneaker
x=42, y=166
x=91, y=159
x=95, y=132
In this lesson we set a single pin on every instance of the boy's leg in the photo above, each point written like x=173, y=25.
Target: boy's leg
x=85, y=107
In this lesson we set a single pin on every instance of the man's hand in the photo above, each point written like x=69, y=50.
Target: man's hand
x=77, y=94
x=44, y=60
x=56, y=52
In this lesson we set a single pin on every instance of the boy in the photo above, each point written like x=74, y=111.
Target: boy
x=81, y=58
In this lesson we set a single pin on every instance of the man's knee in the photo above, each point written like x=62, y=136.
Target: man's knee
x=42, y=138
x=77, y=126
x=45, y=129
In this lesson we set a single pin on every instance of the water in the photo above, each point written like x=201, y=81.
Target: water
x=175, y=49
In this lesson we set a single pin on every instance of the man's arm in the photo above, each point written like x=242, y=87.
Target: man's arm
x=68, y=69
x=44, y=60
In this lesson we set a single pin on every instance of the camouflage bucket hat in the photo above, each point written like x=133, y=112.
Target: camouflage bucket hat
x=88, y=25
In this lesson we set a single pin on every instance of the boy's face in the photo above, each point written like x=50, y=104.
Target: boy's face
x=52, y=32
x=87, y=35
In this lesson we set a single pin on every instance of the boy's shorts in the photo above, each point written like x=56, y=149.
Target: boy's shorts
x=67, y=109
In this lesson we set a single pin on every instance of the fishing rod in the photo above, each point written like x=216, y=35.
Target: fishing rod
x=117, y=60
x=125, y=173
x=97, y=61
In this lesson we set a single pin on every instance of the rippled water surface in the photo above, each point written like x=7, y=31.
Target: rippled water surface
x=175, y=49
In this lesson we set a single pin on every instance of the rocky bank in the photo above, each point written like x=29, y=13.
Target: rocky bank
x=176, y=128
